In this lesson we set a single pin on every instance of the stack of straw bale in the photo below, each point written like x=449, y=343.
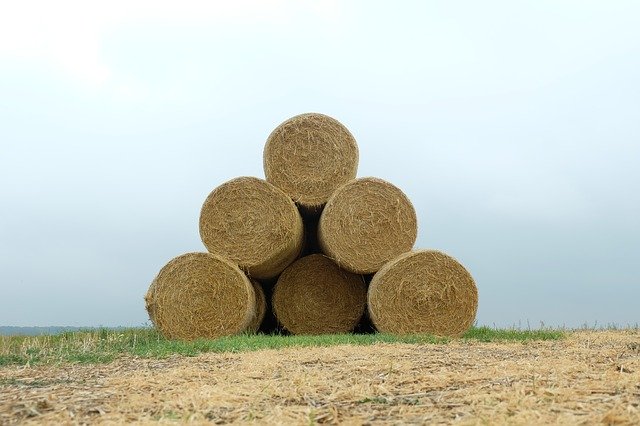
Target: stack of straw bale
x=310, y=249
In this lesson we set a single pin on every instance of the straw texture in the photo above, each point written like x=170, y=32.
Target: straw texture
x=314, y=296
x=200, y=295
x=260, y=308
x=424, y=291
x=308, y=157
x=254, y=224
x=366, y=223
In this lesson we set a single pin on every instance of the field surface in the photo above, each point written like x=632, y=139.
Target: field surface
x=585, y=377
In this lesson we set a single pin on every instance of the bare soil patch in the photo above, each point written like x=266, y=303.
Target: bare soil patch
x=589, y=377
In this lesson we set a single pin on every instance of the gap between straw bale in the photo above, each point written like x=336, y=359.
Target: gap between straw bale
x=260, y=308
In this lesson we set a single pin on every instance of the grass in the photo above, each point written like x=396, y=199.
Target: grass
x=102, y=345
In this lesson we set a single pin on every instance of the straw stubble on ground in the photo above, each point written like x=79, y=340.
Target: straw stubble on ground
x=588, y=377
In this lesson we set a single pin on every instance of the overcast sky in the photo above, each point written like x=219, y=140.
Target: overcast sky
x=514, y=127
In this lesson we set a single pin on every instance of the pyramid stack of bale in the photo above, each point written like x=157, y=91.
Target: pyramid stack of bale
x=310, y=249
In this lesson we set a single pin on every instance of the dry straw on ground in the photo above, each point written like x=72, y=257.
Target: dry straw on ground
x=309, y=156
x=576, y=380
x=315, y=296
x=260, y=310
x=366, y=223
x=424, y=291
x=200, y=295
x=253, y=223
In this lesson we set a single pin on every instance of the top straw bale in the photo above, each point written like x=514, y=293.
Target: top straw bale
x=309, y=156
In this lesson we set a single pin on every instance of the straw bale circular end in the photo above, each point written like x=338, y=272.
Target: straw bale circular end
x=315, y=296
x=366, y=223
x=308, y=156
x=424, y=291
x=254, y=224
x=200, y=295
x=260, y=310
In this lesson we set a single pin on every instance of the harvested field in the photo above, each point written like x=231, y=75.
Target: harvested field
x=587, y=377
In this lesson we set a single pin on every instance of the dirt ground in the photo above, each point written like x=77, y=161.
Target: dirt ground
x=588, y=378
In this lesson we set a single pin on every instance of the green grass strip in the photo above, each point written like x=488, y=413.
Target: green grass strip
x=104, y=345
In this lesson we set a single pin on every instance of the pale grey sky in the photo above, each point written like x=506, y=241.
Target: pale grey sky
x=514, y=127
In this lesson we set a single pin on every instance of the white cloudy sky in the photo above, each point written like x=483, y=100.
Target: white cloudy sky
x=513, y=126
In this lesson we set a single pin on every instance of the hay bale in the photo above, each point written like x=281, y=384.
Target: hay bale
x=315, y=296
x=308, y=157
x=260, y=308
x=254, y=224
x=366, y=223
x=424, y=291
x=200, y=295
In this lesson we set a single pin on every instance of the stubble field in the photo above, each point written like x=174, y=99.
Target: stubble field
x=584, y=377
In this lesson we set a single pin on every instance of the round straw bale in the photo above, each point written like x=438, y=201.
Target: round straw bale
x=315, y=296
x=254, y=224
x=200, y=295
x=308, y=157
x=260, y=310
x=424, y=291
x=366, y=223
